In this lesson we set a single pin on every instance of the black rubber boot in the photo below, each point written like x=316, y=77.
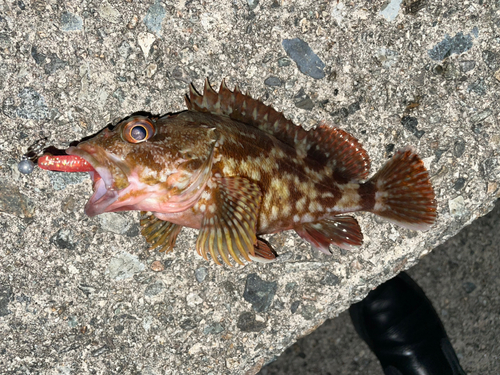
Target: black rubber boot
x=401, y=327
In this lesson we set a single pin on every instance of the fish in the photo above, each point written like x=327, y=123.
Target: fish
x=236, y=169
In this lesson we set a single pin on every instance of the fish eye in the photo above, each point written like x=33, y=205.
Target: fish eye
x=139, y=132
x=138, y=129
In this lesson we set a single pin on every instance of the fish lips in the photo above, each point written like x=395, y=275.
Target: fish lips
x=104, y=192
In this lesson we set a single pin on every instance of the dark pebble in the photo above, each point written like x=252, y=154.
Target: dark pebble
x=459, y=148
x=332, y=77
x=354, y=107
x=86, y=289
x=306, y=104
x=411, y=123
x=188, y=324
x=259, y=293
x=480, y=116
x=71, y=22
x=213, y=329
x=278, y=305
x=389, y=148
x=252, y=4
x=468, y=286
x=133, y=231
x=98, y=352
x=5, y=298
x=335, y=92
x=284, y=61
x=290, y=286
x=154, y=289
x=308, y=312
x=307, y=61
x=230, y=288
x=124, y=49
x=9, y=108
x=477, y=128
x=166, y=319
x=54, y=64
x=491, y=60
x=419, y=133
x=38, y=57
x=200, y=274
x=341, y=112
x=295, y=305
x=247, y=323
x=167, y=263
x=303, y=101
x=119, y=329
x=64, y=239
x=489, y=166
x=478, y=87
x=267, y=57
x=459, y=183
x=273, y=81
x=466, y=66
x=448, y=46
x=439, y=152
x=330, y=279
x=119, y=94
x=413, y=6
x=323, y=103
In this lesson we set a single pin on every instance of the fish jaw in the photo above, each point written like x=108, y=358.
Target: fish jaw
x=102, y=198
x=104, y=184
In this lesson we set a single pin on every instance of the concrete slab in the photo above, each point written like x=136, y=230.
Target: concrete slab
x=83, y=295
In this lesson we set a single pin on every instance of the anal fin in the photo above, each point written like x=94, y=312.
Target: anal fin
x=342, y=231
x=264, y=253
x=159, y=233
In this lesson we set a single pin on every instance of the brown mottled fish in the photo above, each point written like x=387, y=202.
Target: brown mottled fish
x=235, y=169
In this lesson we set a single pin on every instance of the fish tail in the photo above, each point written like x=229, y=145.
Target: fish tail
x=401, y=192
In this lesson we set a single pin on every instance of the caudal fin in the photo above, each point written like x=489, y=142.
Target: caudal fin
x=404, y=194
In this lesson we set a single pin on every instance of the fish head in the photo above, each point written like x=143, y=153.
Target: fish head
x=146, y=163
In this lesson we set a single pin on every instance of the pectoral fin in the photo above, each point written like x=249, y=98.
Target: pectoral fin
x=343, y=231
x=159, y=233
x=230, y=220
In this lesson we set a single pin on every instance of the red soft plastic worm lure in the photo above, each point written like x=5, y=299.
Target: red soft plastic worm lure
x=64, y=163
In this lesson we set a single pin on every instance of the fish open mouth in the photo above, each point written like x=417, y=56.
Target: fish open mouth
x=78, y=160
x=102, y=183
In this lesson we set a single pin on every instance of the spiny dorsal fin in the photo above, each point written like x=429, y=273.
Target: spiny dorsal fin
x=247, y=110
x=331, y=147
